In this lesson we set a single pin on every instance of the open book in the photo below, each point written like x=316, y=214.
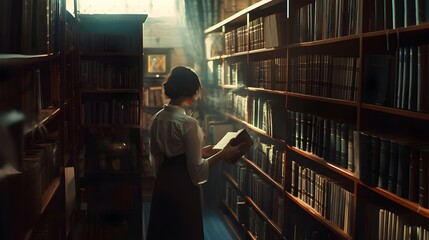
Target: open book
x=239, y=136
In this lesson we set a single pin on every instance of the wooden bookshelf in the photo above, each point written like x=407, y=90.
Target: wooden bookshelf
x=35, y=84
x=333, y=81
x=110, y=103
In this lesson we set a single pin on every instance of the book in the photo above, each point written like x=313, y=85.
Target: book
x=240, y=136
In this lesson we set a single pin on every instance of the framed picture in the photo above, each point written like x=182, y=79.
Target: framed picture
x=156, y=62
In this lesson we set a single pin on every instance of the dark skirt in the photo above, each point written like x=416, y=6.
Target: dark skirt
x=176, y=203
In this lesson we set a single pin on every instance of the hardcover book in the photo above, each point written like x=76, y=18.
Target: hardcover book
x=238, y=137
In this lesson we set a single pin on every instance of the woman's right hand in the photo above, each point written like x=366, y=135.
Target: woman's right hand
x=230, y=152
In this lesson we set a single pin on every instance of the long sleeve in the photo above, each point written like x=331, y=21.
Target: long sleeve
x=197, y=166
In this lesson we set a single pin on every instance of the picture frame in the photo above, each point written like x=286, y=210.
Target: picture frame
x=156, y=62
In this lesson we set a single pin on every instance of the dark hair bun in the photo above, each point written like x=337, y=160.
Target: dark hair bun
x=181, y=82
x=171, y=91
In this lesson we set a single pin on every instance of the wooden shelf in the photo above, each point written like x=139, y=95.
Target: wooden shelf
x=334, y=228
x=274, y=225
x=17, y=60
x=231, y=212
x=240, y=16
x=278, y=92
x=107, y=91
x=415, y=207
x=231, y=180
x=49, y=193
x=414, y=28
x=110, y=54
x=263, y=174
x=324, y=41
x=45, y=116
x=253, y=128
x=343, y=172
x=366, y=117
x=323, y=99
x=398, y=112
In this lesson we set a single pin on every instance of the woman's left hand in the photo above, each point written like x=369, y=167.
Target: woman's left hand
x=208, y=151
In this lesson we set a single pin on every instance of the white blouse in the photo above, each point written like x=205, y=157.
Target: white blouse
x=172, y=133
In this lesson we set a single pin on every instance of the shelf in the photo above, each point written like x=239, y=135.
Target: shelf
x=110, y=54
x=415, y=207
x=49, y=193
x=254, y=89
x=106, y=91
x=414, y=28
x=231, y=180
x=232, y=213
x=398, y=112
x=343, y=172
x=251, y=236
x=323, y=99
x=45, y=115
x=318, y=217
x=276, y=227
x=324, y=41
x=16, y=60
x=260, y=172
x=232, y=55
x=238, y=17
x=253, y=128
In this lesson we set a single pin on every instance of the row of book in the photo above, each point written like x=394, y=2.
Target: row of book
x=396, y=165
x=262, y=32
x=267, y=31
x=152, y=97
x=412, y=78
x=268, y=74
x=105, y=42
x=324, y=75
x=257, y=111
x=39, y=27
x=41, y=161
x=266, y=197
x=269, y=158
x=235, y=201
x=273, y=206
x=259, y=228
x=236, y=104
x=323, y=19
x=109, y=75
x=110, y=112
x=232, y=73
x=391, y=226
x=392, y=14
x=40, y=166
x=329, y=139
x=324, y=195
x=399, y=81
x=231, y=40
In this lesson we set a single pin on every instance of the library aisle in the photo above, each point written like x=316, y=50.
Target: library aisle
x=214, y=226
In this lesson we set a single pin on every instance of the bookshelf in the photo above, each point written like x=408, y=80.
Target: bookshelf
x=36, y=120
x=347, y=80
x=110, y=123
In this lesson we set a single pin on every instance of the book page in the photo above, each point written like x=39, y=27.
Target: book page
x=225, y=140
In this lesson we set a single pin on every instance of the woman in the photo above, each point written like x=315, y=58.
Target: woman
x=181, y=163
